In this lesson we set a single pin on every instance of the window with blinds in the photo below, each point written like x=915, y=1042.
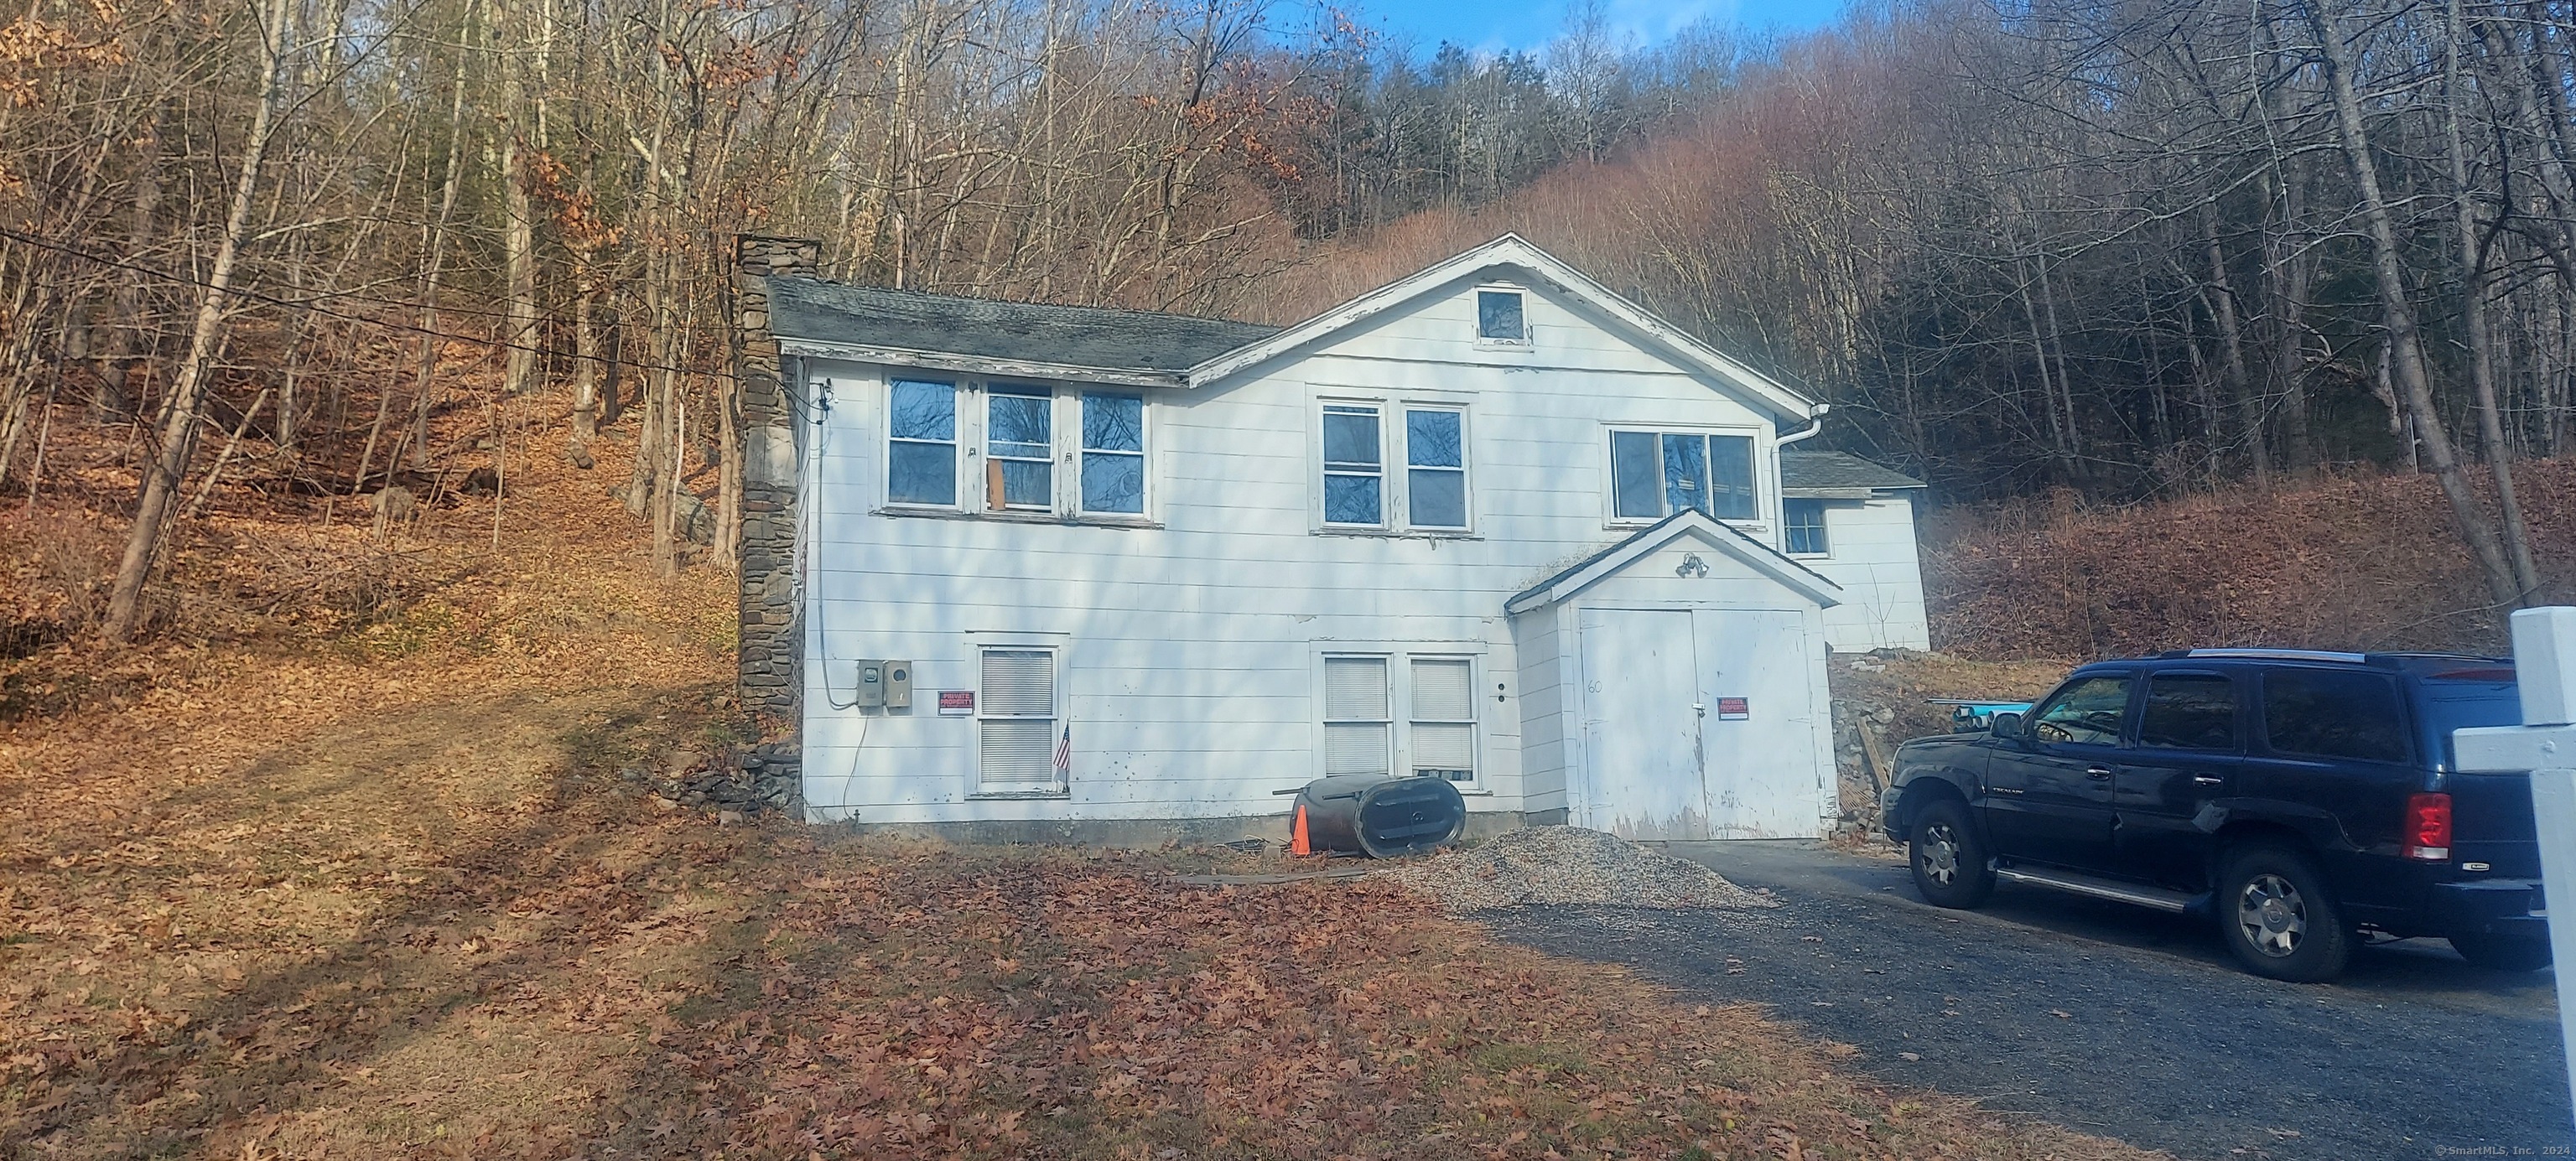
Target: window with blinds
x=1016, y=712
x=1443, y=725
x=1357, y=727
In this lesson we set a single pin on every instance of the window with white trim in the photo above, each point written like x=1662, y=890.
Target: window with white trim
x=1354, y=466
x=1113, y=454
x=1657, y=473
x=1442, y=731
x=1802, y=528
x=1016, y=719
x=1019, y=448
x=921, y=447
x=937, y=430
x=1502, y=316
x=1359, y=733
x=1435, y=473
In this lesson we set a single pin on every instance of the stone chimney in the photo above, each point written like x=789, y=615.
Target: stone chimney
x=770, y=677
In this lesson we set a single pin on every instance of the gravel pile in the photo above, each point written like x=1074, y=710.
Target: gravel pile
x=1570, y=866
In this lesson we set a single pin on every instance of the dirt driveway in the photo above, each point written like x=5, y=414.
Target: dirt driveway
x=2109, y=1019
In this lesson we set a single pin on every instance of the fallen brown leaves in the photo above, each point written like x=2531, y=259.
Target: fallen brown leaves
x=391, y=898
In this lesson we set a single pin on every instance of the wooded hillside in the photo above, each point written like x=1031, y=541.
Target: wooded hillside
x=2134, y=249
x=2351, y=562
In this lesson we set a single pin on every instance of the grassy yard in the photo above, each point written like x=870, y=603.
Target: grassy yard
x=384, y=894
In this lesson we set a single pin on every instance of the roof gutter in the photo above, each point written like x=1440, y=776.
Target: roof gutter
x=979, y=364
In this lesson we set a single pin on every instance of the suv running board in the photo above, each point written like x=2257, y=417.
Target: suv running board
x=2081, y=884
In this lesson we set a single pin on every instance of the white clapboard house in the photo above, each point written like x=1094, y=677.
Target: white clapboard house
x=1063, y=572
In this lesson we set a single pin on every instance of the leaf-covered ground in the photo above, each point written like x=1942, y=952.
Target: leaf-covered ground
x=384, y=894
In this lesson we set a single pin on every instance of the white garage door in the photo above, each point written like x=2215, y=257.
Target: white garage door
x=1699, y=724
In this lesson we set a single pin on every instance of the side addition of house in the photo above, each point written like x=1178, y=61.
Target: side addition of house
x=1019, y=571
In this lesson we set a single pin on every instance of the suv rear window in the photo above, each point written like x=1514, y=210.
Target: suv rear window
x=2330, y=713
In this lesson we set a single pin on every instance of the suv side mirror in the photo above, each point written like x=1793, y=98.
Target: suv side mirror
x=2006, y=726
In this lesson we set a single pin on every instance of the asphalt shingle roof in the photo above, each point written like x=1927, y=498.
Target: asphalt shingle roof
x=1076, y=336
x=1833, y=469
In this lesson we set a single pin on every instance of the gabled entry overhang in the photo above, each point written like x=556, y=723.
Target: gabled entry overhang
x=1691, y=524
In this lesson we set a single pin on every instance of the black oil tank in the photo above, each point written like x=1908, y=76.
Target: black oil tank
x=1380, y=816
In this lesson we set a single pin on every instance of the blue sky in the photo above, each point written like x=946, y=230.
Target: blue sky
x=1493, y=25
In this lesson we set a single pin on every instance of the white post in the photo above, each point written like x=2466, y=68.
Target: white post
x=2544, y=658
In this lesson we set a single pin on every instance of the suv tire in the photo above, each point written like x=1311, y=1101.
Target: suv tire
x=2503, y=953
x=1948, y=859
x=2277, y=917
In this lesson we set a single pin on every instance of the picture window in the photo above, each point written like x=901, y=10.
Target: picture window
x=1655, y=474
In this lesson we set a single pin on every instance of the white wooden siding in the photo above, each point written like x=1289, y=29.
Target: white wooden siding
x=1188, y=651
x=1874, y=558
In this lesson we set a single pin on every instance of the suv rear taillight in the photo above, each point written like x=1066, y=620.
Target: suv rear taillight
x=2428, y=827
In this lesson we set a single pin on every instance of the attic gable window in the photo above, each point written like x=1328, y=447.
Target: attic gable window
x=1500, y=317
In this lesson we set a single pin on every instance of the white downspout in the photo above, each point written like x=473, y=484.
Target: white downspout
x=1818, y=424
x=1815, y=424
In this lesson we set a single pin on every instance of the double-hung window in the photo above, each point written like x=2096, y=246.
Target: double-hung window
x=1113, y=454
x=1443, y=726
x=933, y=425
x=1359, y=734
x=1434, y=738
x=1435, y=473
x=1019, y=448
x=1803, y=528
x=1017, y=719
x=1354, y=466
x=921, y=454
x=1657, y=473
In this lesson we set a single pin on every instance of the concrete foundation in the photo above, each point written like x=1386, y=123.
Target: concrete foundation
x=1146, y=834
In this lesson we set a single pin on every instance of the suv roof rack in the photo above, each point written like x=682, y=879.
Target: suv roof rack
x=2277, y=654
x=2395, y=660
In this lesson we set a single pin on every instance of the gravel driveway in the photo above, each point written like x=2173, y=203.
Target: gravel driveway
x=2105, y=1018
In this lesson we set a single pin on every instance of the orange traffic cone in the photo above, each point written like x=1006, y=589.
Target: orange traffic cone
x=1297, y=844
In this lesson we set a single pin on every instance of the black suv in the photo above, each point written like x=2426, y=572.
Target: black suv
x=2295, y=797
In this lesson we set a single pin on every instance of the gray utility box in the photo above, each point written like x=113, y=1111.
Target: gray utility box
x=884, y=685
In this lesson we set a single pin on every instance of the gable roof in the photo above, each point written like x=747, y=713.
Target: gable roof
x=1690, y=522
x=1513, y=250
x=873, y=324
x=1145, y=348
x=1833, y=471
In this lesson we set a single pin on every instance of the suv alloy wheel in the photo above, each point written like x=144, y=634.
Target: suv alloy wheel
x=2278, y=918
x=1948, y=861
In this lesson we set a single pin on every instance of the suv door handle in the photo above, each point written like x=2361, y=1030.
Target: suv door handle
x=2206, y=779
x=2097, y=772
